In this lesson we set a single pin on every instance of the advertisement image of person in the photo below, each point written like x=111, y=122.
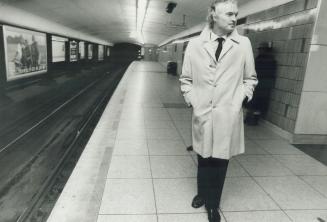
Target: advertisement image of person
x=218, y=76
x=18, y=56
x=34, y=54
x=26, y=55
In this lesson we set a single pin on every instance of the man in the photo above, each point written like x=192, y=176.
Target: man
x=26, y=57
x=218, y=76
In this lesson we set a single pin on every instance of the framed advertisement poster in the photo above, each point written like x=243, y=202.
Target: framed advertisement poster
x=25, y=52
x=73, y=51
x=81, y=50
x=58, y=49
x=90, y=51
x=100, y=52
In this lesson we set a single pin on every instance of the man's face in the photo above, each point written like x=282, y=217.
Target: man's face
x=225, y=16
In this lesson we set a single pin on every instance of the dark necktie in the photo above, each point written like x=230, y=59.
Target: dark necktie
x=220, y=47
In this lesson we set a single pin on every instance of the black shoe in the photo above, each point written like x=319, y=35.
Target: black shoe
x=189, y=148
x=197, y=201
x=213, y=215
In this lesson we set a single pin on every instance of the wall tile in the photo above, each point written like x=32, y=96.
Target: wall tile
x=291, y=46
x=311, y=4
x=299, y=31
x=272, y=13
x=294, y=6
x=278, y=46
x=309, y=30
x=295, y=100
x=307, y=44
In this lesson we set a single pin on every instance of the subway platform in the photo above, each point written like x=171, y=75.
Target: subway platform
x=135, y=167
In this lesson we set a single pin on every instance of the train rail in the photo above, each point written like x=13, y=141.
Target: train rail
x=70, y=131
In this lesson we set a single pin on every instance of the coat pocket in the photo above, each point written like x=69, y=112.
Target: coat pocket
x=239, y=98
x=189, y=98
x=200, y=129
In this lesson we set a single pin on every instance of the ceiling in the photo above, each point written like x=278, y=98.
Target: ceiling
x=115, y=20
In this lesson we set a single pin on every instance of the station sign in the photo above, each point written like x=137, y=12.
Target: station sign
x=73, y=51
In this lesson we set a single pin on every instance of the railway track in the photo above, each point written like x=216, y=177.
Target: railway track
x=69, y=137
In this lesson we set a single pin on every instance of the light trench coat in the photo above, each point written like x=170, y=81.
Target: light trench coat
x=216, y=90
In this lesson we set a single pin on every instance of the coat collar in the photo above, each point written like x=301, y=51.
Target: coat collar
x=205, y=35
x=233, y=38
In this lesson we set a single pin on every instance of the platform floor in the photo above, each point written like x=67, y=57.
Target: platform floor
x=135, y=167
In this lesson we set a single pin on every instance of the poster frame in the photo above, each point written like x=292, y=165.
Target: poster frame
x=64, y=40
x=25, y=75
x=88, y=51
x=80, y=58
x=71, y=41
x=100, y=59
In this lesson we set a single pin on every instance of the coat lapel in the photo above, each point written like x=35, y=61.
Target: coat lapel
x=208, y=46
x=228, y=45
x=232, y=41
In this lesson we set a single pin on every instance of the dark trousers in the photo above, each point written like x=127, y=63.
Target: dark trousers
x=211, y=178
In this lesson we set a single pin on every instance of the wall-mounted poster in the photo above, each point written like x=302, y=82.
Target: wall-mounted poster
x=90, y=51
x=58, y=49
x=100, y=52
x=25, y=52
x=108, y=51
x=73, y=53
x=81, y=50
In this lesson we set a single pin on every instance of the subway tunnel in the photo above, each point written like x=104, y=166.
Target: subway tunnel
x=104, y=116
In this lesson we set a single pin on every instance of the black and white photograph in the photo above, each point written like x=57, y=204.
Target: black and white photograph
x=163, y=111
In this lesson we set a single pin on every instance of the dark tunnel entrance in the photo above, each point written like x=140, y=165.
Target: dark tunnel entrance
x=125, y=53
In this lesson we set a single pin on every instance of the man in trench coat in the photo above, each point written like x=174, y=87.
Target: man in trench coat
x=218, y=75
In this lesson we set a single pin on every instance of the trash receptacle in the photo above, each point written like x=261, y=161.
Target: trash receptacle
x=172, y=68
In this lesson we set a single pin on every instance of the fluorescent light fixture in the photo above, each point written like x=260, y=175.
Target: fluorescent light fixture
x=140, y=15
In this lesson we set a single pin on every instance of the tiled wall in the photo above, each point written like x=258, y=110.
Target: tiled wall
x=150, y=53
x=165, y=54
x=171, y=52
x=288, y=28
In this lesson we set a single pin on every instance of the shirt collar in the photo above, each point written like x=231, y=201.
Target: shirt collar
x=205, y=35
x=214, y=37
